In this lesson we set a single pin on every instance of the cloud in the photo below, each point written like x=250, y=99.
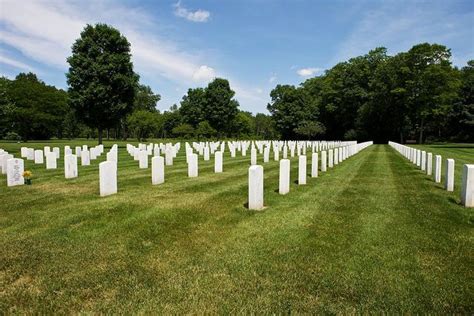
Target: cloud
x=204, y=73
x=272, y=78
x=194, y=16
x=400, y=25
x=44, y=31
x=308, y=72
x=16, y=64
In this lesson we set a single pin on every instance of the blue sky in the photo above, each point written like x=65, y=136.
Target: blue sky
x=256, y=44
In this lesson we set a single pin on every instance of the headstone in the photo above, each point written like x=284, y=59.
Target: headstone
x=39, y=158
x=218, y=162
x=51, y=160
x=314, y=165
x=255, y=188
x=168, y=156
x=437, y=171
x=70, y=166
x=108, y=178
x=423, y=160
x=302, y=170
x=57, y=151
x=266, y=154
x=284, y=187
x=336, y=156
x=15, y=168
x=85, y=158
x=157, y=170
x=276, y=154
x=323, y=161
x=253, y=156
x=143, y=159
x=112, y=155
x=206, y=154
x=467, y=186
x=331, y=159
x=429, y=164
x=449, y=180
x=3, y=162
x=193, y=166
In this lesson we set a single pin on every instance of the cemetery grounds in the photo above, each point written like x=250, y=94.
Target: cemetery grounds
x=374, y=233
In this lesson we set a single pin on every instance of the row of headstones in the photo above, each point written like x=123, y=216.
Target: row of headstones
x=424, y=161
x=14, y=169
x=108, y=179
x=256, y=179
x=39, y=155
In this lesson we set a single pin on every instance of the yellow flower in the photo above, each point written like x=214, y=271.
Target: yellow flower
x=27, y=174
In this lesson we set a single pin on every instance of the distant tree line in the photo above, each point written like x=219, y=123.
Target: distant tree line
x=413, y=95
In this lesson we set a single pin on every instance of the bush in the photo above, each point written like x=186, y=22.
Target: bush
x=12, y=136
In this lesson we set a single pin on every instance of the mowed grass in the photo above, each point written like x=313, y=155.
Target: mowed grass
x=373, y=234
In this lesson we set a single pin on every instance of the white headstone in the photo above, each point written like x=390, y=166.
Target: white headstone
x=51, y=160
x=143, y=159
x=157, y=170
x=429, y=164
x=108, y=178
x=302, y=169
x=70, y=166
x=206, y=153
x=437, y=171
x=331, y=158
x=253, y=156
x=169, y=156
x=255, y=188
x=423, y=160
x=314, y=165
x=85, y=158
x=323, y=161
x=284, y=187
x=57, y=151
x=336, y=156
x=449, y=180
x=15, y=168
x=266, y=154
x=39, y=158
x=467, y=186
x=218, y=161
x=193, y=165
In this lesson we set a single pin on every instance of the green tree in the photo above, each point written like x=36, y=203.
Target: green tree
x=220, y=107
x=102, y=83
x=193, y=106
x=35, y=110
x=183, y=130
x=145, y=99
x=289, y=107
x=204, y=129
x=308, y=129
x=143, y=123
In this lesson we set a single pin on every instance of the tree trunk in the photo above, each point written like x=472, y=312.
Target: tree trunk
x=108, y=134
x=421, y=131
x=100, y=135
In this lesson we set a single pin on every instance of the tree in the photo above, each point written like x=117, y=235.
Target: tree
x=308, y=129
x=205, y=129
x=102, y=83
x=290, y=106
x=183, y=130
x=143, y=123
x=265, y=126
x=145, y=99
x=220, y=107
x=193, y=106
x=34, y=109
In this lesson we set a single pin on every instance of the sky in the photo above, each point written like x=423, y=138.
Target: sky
x=255, y=44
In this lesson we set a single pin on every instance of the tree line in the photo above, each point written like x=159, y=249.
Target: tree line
x=416, y=94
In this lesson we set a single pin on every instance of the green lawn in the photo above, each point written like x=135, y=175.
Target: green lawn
x=373, y=234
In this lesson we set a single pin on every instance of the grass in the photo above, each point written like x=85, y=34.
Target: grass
x=373, y=234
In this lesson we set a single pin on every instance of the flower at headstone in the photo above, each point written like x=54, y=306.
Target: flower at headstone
x=27, y=174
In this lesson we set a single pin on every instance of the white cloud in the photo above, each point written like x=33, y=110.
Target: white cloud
x=16, y=64
x=307, y=72
x=204, y=73
x=194, y=16
x=44, y=31
x=400, y=25
x=272, y=78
